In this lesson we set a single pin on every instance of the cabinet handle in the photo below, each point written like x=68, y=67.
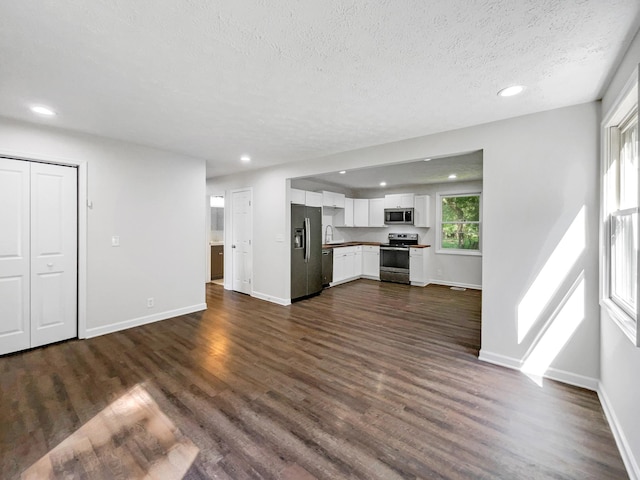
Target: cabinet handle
x=219, y=253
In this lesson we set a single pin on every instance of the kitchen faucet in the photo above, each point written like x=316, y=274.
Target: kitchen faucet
x=326, y=233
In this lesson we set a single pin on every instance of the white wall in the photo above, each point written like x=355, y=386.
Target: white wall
x=620, y=359
x=153, y=200
x=539, y=171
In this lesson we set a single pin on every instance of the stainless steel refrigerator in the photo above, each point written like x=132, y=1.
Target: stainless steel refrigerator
x=306, y=251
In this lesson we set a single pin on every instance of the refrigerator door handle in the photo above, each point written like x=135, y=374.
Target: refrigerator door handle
x=307, y=239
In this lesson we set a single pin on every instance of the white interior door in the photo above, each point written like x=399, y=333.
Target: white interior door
x=241, y=241
x=54, y=264
x=14, y=256
x=38, y=254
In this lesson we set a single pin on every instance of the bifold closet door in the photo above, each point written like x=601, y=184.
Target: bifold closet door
x=54, y=258
x=15, y=294
x=38, y=254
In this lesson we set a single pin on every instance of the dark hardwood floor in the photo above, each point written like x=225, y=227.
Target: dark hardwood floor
x=369, y=380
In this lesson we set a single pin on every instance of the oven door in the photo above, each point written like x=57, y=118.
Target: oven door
x=394, y=259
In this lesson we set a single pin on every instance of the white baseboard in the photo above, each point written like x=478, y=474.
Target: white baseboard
x=346, y=280
x=419, y=284
x=498, y=359
x=370, y=277
x=136, y=322
x=563, y=376
x=271, y=298
x=630, y=463
x=438, y=281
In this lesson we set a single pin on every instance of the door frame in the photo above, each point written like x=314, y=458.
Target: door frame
x=82, y=166
x=228, y=236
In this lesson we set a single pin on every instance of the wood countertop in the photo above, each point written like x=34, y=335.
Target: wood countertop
x=355, y=244
x=349, y=244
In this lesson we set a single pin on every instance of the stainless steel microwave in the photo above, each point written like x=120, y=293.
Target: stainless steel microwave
x=398, y=216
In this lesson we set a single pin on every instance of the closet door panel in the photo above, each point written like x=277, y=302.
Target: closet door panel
x=14, y=256
x=54, y=265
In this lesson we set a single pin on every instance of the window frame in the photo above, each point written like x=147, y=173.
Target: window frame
x=625, y=107
x=439, y=222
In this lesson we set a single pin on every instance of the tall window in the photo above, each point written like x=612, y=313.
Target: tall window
x=620, y=202
x=459, y=223
x=624, y=219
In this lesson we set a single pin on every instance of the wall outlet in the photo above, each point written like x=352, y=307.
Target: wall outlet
x=115, y=241
x=150, y=302
x=439, y=272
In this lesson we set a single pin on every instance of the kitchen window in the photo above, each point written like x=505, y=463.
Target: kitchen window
x=459, y=223
x=620, y=215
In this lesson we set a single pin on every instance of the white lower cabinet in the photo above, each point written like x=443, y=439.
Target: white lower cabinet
x=347, y=263
x=418, y=267
x=371, y=262
x=351, y=263
x=363, y=261
x=357, y=262
x=338, y=265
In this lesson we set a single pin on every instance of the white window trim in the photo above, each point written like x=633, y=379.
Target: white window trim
x=453, y=251
x=621, y=107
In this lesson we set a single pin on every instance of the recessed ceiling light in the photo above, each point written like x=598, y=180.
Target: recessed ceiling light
x=342, y=172
x=383, y=184
x=511, y=91
x=42, y=110
x=245, y=158
x=453, y=175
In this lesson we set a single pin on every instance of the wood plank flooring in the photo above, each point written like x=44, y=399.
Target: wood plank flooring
x=368, y=380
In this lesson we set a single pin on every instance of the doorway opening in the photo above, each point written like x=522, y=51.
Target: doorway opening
x=216, y=239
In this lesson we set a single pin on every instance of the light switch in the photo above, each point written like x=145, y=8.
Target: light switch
x=279, y=237
x=115, y=241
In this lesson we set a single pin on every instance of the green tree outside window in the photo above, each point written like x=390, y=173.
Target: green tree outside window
x=460, y=222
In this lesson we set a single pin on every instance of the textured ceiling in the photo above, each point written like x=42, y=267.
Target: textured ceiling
x=297, y=79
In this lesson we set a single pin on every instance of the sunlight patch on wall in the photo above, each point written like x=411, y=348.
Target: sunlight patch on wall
x=552, y=275
x=114, y=439
x=562, y=326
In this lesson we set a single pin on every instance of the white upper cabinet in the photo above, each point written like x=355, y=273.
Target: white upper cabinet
x=376, y=212
x=302, y=197
x=332, y=199
x=313, y=199
x=343, y=217
x=360, y=212
x=422, y=212
x=297, y=196
x=399, y=200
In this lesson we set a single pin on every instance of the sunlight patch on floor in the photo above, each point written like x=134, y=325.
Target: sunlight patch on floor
x=130, y=437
